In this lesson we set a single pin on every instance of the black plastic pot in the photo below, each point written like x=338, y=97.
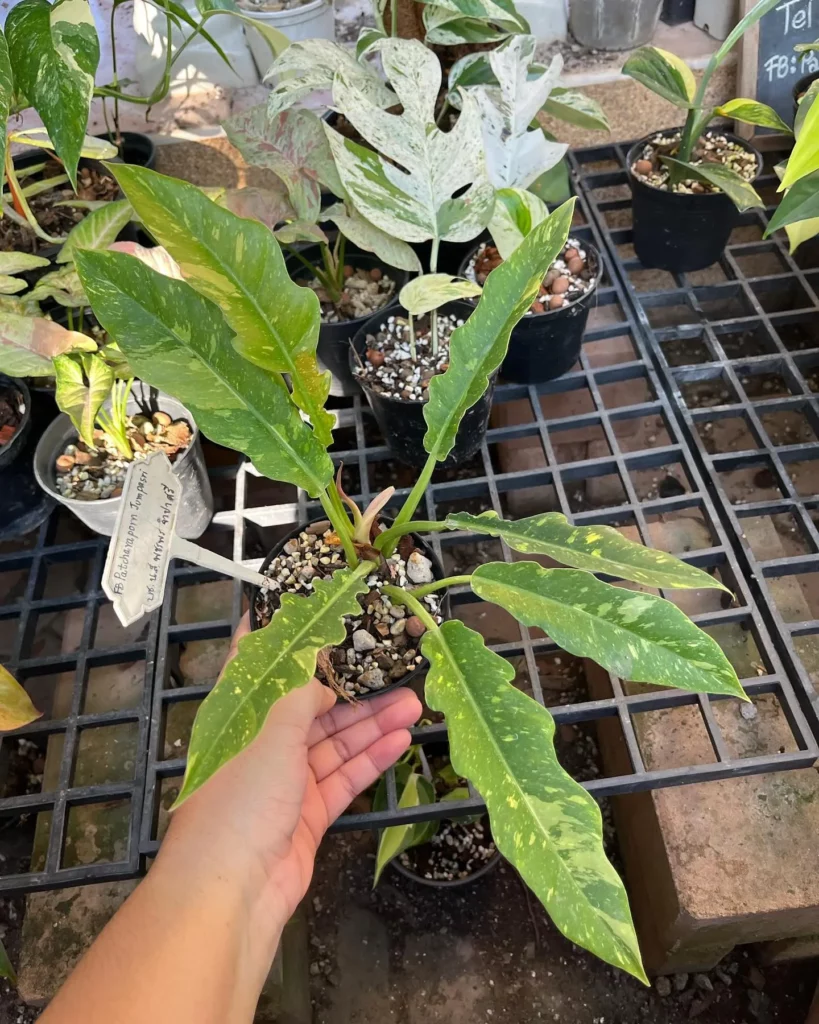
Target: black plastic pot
x=544, y=346
x=677, y=231
x=23, y=503
x=456, y=883
x=334, y=339
x=402, y=423
x=135, y=148
x=10, y=452
x=801, y=87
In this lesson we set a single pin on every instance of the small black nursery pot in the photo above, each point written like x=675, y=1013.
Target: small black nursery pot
x=801, y=87
x=134, y=148
x=544, y=346
x=402, y=422
x=255, y=598
x=678, y=231
x=334, y=338
x=16, y=402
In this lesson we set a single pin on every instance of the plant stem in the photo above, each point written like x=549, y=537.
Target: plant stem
x=118, y=139
x=434, y=330
x=317, y=272
x=414, y=498
x=338, y=505
x=443, y=112
x=81, y=318
x=389, y=536
x=339, y=524
x=405, y=597
x=393, y=18
x=430, y=588
x=69, y=317
x=331, y=269
x=433, y=255
x=433, y=267
x=413, y=353
x=340, y=252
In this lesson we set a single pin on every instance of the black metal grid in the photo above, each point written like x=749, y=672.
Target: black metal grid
x=737, y=346
x=588, y=401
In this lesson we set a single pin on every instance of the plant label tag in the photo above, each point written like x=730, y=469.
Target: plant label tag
x=140, y=551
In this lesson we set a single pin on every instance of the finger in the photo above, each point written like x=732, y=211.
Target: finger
x=241, y=630
x=299, y=708
x=340, y=789
x=330, y=754
x=342, y=716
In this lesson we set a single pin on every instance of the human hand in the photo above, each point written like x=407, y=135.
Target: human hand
x=264, y=813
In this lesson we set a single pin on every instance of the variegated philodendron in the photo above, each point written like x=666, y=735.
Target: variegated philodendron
x=223, y=332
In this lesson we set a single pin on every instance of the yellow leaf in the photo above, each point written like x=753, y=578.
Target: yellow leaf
x=684, y=70
x=804, y=158
x=16, y=708
x=801, y=231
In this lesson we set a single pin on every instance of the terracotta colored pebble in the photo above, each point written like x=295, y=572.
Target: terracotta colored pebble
x=7, y=432
x=64, y=463
x=556, y=302
x=415, y=627
x=374, y=357
x=550, y=278
x=643, y=167
x=117, y=492
x=576, y=265
x=570, y=254
x=376, y=274
x=82, y=458
x=560, y=286
x=537, y=307
x=348, y=270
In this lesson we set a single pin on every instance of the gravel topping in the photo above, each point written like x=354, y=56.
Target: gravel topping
x=457, y=850
x=388, y=366
x=712, y=148
x=365, y=292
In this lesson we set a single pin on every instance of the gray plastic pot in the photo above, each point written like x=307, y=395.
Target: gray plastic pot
x=196, y=510
x=613, y=24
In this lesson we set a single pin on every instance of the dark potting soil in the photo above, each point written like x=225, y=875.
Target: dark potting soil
x=90, y=475
x=388, y=366
x=55, y=220
x=572, y=275
x=365, y=292
x=12, y=409
x=381, y=645
x=457, y=850
x=712, y=148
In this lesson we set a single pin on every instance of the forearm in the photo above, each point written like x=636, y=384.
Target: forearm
x=192, y=944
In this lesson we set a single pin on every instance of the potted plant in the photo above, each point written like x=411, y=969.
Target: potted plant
x=688, y=185
x=221, y=340
x=15, y=418
x=798, y=211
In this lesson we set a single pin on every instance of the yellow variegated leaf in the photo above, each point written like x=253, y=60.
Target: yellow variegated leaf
x=16, y=710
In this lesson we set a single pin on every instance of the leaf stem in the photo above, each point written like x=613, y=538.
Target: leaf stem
x=405, y=597
x=430, y=588
x=414, y=498
x=317, y=272
x=390, y=535
x=434, y=329
x=443, y=112
x=413, y=353
x=393, y=18
x=340, y=524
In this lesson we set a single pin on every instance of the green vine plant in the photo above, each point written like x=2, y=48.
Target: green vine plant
x=221, y=341
x=670, y=77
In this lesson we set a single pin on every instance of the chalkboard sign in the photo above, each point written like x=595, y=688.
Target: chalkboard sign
x=768, y=66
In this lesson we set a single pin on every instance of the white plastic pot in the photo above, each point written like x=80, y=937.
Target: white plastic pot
x=316, y=20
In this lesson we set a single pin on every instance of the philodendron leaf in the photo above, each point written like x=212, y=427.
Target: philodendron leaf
x=310, y=66
x=270, y=206
x=92, y=148
x=16, y=710
x=477, y=349
x=10, y=285
x=800, y=202
x=544, y=822
x=178, y=341
x=633, y=635
x=448, y=24
x=367, y=236
x=292, y=145
x=804, y=158
x=17, y=262
x=516, y=212
x=98, y=230
x=394, y=840
x=663, y=73
x=553, y=187
x=576, y=108
x=408, y=191
x=753, y=112
x=430, y=291
x=239, y=265
x=596, y=548
x=270, y=663
x=54, y=51
x=516, y=156
x=6, y=93
x=63, y=286
x=83, y=384
x=805, y=103
x=6, y=969
x=29, y=343
x=738, y=189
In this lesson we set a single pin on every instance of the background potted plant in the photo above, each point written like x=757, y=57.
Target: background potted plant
x=221, y=339
x=689, y=185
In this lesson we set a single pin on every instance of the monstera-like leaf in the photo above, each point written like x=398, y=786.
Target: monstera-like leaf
x=372, y=239
x=408, y=191
x=516, y=156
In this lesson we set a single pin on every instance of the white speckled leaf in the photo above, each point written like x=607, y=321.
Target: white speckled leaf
x=576, y=108
x=633, y=635
x=446, y=25
x=62, y=285
x=178, y=341
x=596, y=548
x=546, y=824
x=372, y=239
x=430, y=291
x=413, y=200
x=29, y=343
x=83, y=384
x=54, y=51
x=310, y=65
x=270, y=663
x=477, y=349
x=516, y=156
x=238, y=264
x=96, y=231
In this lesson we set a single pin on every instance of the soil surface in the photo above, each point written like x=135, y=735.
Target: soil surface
x=712, y=148
x=381, y=646
x=365, y=292
x=93, y=474
x=12, y=409
x=55, y=220
x=457, y=850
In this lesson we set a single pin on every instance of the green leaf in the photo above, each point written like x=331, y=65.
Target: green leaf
x=6, y=94
x=62, y=285
x=430, y=291
x=415, y=203
x=516, y=212
x=663, y=73
x=635, y=636
x=83, y=384
x=367, y=236
x=367, y=38
x=753, y=112
x=270, y=663
x=178, y=341
x=10, y=285
x=596, y=548
x=804, y=106
x=553, y=187
x=576, y=108
x=238, y=264
x=477, y=349
x=54, y=51
x=807, y=47
x=546, y=824
x=6, y=970
x=398, y=838
x=17, y=262
x=738, y=189
x=452, y=22
x=29, y=343
x=92, y=148
x=96, y=231
x=804, y=158
x=16, y=710
x=758, y=11
x=800, y=202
